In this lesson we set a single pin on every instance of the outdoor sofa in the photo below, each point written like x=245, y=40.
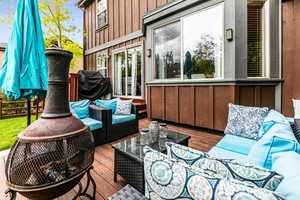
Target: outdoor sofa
x=118, y=125
x=262, y=165
x=105, y=125
x=92, y=116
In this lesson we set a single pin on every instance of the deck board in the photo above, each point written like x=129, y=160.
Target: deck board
x=104, y=162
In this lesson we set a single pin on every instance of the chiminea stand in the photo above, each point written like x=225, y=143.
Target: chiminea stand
x=82, y=191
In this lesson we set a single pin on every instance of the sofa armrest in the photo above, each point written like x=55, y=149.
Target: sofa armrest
x=134, y=109
x=99, y=113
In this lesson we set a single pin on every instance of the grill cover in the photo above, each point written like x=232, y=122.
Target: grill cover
x=92, y=85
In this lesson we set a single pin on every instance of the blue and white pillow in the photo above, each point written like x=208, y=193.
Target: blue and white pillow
x=245, y=121
x=244, y=172
x=123, y=107
x=81, y=108
x=169, y=179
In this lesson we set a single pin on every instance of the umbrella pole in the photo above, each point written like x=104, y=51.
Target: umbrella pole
x=28, y=112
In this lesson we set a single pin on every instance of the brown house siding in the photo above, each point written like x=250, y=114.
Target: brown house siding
x=124, y=17
x=204, y=106
x=291, y=52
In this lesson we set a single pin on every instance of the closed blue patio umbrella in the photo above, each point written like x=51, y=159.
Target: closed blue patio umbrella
x=24, y=73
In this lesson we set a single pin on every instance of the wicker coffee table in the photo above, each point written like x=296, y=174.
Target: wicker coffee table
x=129, y=156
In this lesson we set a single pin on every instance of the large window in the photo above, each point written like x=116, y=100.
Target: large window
x=101, y=11
x=128, y=73
x=102, y=63
x=167, y=51
x=257, y=38
x=191, y=48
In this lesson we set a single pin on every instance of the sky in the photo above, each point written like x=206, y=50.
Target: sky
x=76, y=16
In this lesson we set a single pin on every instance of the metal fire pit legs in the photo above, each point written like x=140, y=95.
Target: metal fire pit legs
x=82, y=191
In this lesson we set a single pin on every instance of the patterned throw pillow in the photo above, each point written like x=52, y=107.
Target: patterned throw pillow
x=169, y=179
x=244, y=172
x=245, y=121
x=123, y=107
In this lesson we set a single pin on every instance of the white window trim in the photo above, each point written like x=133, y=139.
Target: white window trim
x=98, y=12
x=103, y=53
x=124, y=49
x=181, y=79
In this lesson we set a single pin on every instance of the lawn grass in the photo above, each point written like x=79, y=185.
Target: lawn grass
x=9, y=129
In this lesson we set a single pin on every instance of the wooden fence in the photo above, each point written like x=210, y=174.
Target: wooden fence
x=10, y=109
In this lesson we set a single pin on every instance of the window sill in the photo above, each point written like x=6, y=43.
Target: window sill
x=211, y=82
x=102, y=28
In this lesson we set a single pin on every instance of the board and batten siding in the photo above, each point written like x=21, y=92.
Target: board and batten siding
x=124, y=17
x=204, y=106
x=290, y=52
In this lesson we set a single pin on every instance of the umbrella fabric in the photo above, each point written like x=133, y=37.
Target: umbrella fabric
x=188, y=65
x=24, y=73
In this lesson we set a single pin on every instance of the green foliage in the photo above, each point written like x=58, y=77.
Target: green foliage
x=56, y=19
x=69, y=45
x=203, y=60
x=9, y=16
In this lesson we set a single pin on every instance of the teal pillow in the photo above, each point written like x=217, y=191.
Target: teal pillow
x=108, y=104
x=81, y=108
x=276, y=124
x=262, y=151
x=288, y=164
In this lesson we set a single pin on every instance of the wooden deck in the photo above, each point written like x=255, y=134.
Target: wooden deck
x=104, y=161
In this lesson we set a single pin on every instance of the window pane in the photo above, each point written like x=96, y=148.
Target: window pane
x=134, y=86
x=119, y=74
x=102, y=19
x=203, y=43
x=256, y=38
x=101, y=65
x=167, y=52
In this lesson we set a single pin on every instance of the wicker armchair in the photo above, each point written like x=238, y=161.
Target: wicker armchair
x=100, y=114
x=120, y=130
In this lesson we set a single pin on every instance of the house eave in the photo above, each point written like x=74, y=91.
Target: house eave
x=83, y=3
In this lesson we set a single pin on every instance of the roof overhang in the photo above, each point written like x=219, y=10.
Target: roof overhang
x=3, y=46
x=83, y=3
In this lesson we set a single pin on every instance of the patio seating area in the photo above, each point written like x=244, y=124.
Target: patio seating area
x=104, y=161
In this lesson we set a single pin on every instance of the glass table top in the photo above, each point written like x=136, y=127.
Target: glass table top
x=134, y=146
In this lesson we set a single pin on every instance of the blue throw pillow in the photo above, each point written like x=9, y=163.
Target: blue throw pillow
x=275, y=123
x=288, y=164
x=108, y=104
x=262, y=151
x=81, y=108
x=245, y=121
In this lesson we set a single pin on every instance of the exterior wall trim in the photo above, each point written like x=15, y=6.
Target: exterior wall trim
x=123, y=39
x=218, y=82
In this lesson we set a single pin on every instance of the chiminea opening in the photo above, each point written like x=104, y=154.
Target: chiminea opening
x=51, y=156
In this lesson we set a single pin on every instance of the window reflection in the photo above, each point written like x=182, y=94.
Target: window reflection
x=203, y=43
x=167, y=52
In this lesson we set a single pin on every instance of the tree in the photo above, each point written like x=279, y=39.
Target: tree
x=9, y=16
x=56, y=19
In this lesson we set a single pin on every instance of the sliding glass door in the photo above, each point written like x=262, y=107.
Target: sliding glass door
x=128, y=73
